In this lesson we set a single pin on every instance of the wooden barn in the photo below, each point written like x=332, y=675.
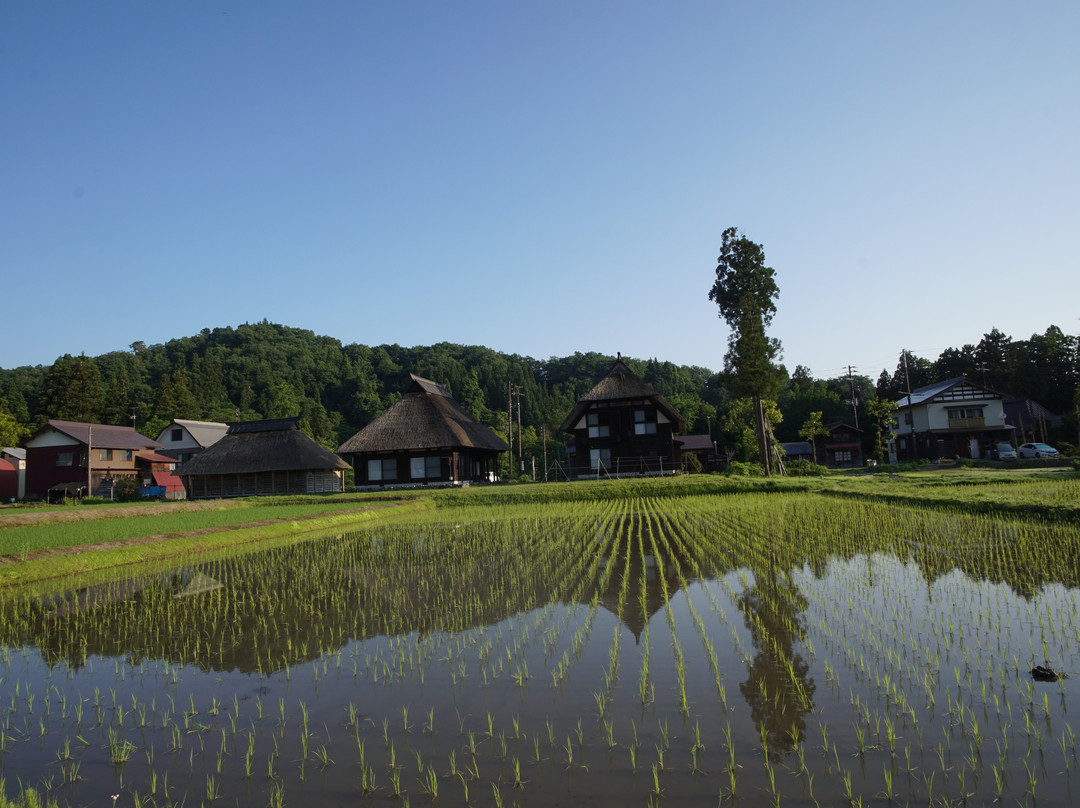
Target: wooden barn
x=424, y=438
x=623, y=427
x=258, y=458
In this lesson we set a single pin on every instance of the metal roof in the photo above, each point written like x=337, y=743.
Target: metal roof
x=204, y=433
x=100, y=436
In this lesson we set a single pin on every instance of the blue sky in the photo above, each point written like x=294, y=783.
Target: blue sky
x=540, y=178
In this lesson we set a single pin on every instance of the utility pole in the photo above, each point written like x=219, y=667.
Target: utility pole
x=521, y=461
x=854, y=401
x=510, y=425
x=910, y=413
x=543, y=432
x=89, y=462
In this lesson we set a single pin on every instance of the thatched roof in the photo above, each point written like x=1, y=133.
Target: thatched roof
x=254, y=446
x=621, y=384
x=426, y=417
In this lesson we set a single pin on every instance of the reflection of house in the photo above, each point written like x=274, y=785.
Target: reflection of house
x=66, y=456
x=954, y=418
x=157, y=478
x=842, y=449
x=184, y=439
x=12, y=473
x=623, y=426
x=425, y=437
x=256, y=458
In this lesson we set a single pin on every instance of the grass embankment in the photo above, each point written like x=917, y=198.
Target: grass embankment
x=52, y=549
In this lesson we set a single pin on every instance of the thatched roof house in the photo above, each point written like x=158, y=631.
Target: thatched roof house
x=623, y=426
x=263, y=457
x=424, y=438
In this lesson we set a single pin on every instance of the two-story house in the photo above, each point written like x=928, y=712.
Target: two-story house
x=623, y=426
x=949, y=419
x=183, y=439
x=71, y=458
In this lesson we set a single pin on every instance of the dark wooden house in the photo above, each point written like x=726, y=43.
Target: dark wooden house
x=623, y=427
x=257, y=458
x=424, y=438
x=842, y=449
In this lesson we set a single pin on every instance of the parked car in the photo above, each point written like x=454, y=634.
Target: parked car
x=1004, y=451
x=1037, y=450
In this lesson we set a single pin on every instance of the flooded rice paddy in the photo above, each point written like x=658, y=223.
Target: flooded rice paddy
x=760, y=649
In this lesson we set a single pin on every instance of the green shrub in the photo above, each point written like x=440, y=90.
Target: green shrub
x=126, y=489
x=805, y=468
x=740, y=469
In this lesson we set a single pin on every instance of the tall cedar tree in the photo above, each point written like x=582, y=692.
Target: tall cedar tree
x=744, y=291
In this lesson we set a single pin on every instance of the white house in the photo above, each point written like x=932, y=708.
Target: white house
x=949, y=419
x=184, y=439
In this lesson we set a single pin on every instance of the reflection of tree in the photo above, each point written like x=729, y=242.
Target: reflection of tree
x=776, y=688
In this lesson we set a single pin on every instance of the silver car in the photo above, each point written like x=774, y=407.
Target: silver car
x=1037, y=450
x=1004, y=451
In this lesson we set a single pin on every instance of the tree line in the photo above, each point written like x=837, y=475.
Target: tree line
x=267, y=370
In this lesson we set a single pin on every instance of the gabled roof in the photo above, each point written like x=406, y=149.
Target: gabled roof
x=925, y=394
x=14, y=451
x=204, y=433
x=425, y=417
x=99, y=436
x=836, y=425
x=621, y=384
x=256, y=446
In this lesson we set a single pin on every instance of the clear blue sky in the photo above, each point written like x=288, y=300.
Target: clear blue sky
x=540, y=178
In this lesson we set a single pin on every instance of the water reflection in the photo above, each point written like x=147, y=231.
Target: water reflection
x=778, y=688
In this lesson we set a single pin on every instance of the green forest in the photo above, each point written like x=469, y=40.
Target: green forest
x=267, y=370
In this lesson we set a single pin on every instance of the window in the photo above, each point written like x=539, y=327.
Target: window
x=378, y=470
x=598, y=458
x=907, y=418
x=596, y=428
x=843, y=456
x=104, y=454
x=177, y=435
x=421, y=467
x=964, y=413
x=644, y=422
x=128, y=454
x=64, y=458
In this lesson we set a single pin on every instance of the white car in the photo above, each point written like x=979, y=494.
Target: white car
x=1037, y=450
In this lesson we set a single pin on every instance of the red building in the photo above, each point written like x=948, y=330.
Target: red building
x=70, y=458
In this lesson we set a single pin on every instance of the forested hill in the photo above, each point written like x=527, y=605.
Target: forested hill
x=265, y=370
